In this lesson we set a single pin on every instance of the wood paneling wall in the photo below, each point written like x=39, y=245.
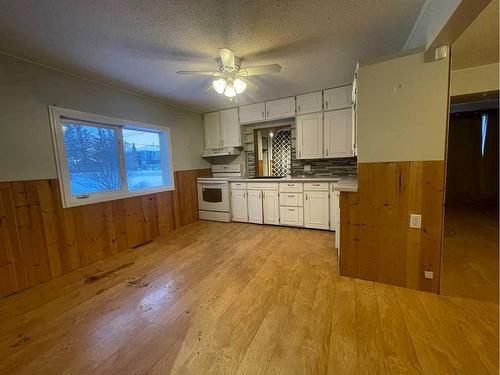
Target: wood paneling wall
x=376, y=242
x=40, y=240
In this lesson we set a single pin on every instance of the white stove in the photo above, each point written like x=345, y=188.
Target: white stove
x=213, y=193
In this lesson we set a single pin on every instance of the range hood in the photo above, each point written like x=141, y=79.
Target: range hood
x=221, y=152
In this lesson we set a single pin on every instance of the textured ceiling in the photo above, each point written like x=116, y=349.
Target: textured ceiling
x=478, y=45
x=139, y=45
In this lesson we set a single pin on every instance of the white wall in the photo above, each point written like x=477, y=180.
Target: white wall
x=473, y=80
x=402, y=109
x=26, y=90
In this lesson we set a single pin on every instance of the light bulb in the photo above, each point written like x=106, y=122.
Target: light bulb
x=230, y=91
x=219, y=85
x=239, y=85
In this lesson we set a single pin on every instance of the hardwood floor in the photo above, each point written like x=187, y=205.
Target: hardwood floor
x=470, y=253
x=217, y=298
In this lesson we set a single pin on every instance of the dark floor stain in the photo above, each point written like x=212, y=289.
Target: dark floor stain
x=22, y=340
x=99, y=276
x=138, y=282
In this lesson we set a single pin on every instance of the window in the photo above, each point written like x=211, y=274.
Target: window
x=101, y=158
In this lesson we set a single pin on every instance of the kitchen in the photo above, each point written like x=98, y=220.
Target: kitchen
x=235, y=187
x=321, y=129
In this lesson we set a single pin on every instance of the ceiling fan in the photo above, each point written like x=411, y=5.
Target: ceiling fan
x=232, y=81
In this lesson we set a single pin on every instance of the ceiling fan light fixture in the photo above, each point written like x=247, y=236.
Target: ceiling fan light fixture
x=219, y=85
x=239, y=85
x=230, y=91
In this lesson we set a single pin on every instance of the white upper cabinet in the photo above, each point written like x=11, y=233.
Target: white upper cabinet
x=252, y=113
x=309, y=136
x=281, y=108
x=338, y=134
x=271, y=206
x=212, y=130
x=230, y=128
x=310, y=103
x=316, y=210
x=239, y=206
x=337, y=98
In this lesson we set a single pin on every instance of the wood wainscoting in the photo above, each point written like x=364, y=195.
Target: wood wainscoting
x=376, y=242
x=40, y=240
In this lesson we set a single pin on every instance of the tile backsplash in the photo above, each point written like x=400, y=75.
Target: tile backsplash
x=324, y=167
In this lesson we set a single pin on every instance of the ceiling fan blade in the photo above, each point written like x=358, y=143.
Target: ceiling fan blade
x=227, y=58
x=264, y=69
x=202, y=73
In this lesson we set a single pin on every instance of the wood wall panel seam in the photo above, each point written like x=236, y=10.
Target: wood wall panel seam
x=40, y=240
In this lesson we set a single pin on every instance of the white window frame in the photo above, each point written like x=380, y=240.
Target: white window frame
x=59, y=115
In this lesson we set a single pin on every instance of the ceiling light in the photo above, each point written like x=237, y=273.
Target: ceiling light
x=230, y=91
x=220, y=85
x=239, y=85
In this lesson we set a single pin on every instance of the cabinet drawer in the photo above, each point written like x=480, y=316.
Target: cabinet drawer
x=262, y=186
x=238, y=185
x=291, y=187
x=316, y=186
x=293, y=216
x=291, y=199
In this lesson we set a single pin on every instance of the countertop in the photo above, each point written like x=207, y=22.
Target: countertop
x=349, y=184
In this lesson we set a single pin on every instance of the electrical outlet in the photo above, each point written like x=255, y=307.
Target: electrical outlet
x=307, y=168
x=415, y=221
x=429, y=274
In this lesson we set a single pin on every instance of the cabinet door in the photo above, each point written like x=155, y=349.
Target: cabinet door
x=310, y=103
x=338, y=133
x=309, y=136
x=271, y=207
x=337, y=98
x=255, y=206
x=316, y=210
x=252, y=113
x=281, y=108
x=230, y=128
x=334, y=208
x=239, y=208
x=212, y=130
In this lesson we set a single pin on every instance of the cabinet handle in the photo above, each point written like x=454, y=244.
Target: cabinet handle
x=267, y=113
x=291, y=196
x=85, y=196
x=244, y=195
x=291, y=209
x=316, y=184
x=300, y=109
x=327, y=152
x=306, y=196
x=290, y=184
x=263, y=114
x=299, y=153
x=326, y=104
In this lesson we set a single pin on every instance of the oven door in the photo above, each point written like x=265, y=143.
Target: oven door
x=213, y=196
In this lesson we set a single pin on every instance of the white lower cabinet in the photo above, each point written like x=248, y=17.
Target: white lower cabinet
x=334, y=208
x=271, y=204
x=239, y=206
x=311, y=204
x=316, y=210
x=255, y=206
x=293, y=216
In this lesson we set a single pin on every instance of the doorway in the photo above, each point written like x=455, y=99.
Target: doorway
x=470, y=245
